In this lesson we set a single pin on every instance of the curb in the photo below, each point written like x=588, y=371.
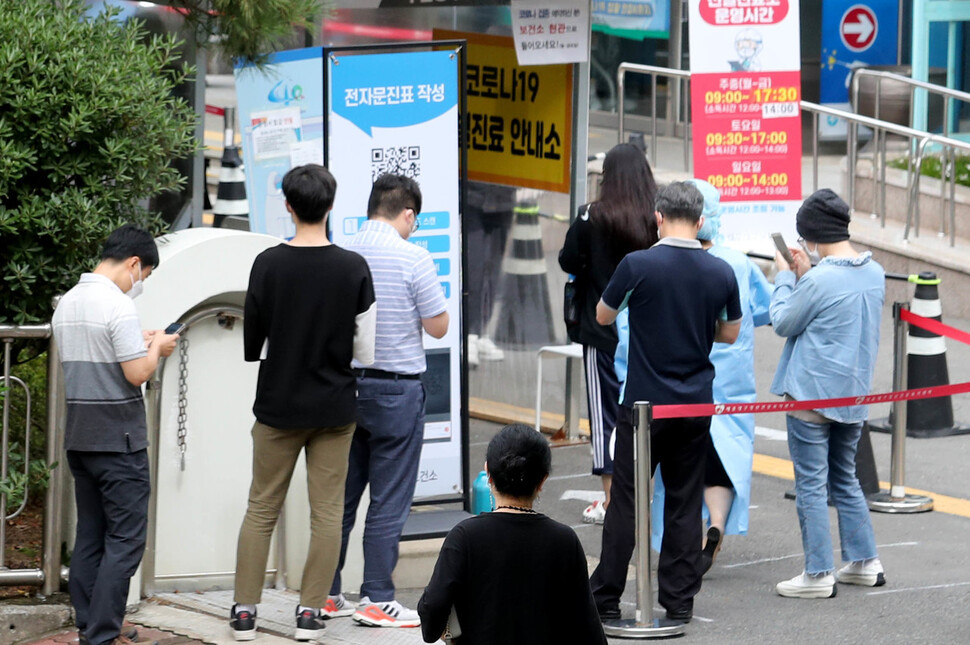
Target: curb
x=20, y=623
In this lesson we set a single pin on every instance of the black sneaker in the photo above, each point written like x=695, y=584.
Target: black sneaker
x=243, y=624
x=609, y=613
x=309, y=624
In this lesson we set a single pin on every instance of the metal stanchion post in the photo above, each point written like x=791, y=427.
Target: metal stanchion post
x=896, y=500
x=644, y=625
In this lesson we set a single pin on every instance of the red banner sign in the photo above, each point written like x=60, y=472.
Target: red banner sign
x=747, y=134
x=743, y=12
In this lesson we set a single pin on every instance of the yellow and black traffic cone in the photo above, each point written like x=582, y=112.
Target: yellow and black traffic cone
x=525, y=313
x=231, y=195
x=926, y=367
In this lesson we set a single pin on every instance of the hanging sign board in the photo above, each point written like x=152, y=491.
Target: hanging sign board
x=745, y=102
x=397, y=112
x=547, y=32
x=281, y=121
x=633, y=19
x=519, y=121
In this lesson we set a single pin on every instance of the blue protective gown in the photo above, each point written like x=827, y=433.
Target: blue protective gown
x=733, y=383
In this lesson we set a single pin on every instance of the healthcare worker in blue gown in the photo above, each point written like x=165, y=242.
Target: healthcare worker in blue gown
x=727, y=487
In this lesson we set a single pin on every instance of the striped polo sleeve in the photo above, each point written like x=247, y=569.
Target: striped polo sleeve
x=429, y=296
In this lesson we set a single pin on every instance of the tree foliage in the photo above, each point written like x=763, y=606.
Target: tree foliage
x=88, y=128
x=248, y=29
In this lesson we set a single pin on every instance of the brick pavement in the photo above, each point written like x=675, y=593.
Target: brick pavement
x=158, y=636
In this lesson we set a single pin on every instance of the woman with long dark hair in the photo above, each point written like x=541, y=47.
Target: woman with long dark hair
x=621, y=220
x=512, y=552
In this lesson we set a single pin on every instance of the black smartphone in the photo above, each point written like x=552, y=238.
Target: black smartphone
x=175, y=328
x=783, y=248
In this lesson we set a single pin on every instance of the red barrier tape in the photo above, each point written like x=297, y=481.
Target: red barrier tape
x=212, y=109
x=715, y=409
x=935, y=326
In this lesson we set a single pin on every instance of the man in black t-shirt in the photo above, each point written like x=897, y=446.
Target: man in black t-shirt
x=310, y=310
x=681, y=299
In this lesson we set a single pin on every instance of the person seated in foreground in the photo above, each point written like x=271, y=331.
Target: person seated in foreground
x=514, y=550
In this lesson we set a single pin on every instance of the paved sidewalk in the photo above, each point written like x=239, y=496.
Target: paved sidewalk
x=157, y=635
x=197, y=618
x=276, y=619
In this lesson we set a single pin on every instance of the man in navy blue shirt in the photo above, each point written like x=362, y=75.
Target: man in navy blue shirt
x=681, y=299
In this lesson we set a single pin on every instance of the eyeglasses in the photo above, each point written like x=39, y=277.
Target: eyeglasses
x=417, y=221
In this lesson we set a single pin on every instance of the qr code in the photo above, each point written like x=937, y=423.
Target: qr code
x=397, y=160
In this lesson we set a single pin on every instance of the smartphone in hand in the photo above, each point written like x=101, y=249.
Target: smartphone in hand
x=175, y=328
x=783, y=248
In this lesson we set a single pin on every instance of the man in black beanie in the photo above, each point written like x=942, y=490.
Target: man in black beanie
x=830, y=314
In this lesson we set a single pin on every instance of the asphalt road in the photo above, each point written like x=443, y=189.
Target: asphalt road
x=925, y=555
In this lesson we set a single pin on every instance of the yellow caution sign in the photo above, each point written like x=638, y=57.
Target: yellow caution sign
x=519, y=119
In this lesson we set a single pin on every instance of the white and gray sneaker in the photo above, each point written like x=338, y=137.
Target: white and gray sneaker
x=473, y=358
x=805, y=585
x=390, y=613
x=868, y=573
x=488, y=350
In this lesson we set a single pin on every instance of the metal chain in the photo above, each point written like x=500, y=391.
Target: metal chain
x=183, y=390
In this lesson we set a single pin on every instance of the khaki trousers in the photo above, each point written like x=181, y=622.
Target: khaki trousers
x=275, y=452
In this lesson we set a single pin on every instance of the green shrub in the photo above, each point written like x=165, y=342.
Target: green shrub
x=932, y=167
x=88, y=129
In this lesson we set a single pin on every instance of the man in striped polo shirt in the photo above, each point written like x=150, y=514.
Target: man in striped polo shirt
x=390, y=397
x=106, y=358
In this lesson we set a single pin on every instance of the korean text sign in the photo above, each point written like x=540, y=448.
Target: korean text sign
x=398, y=113
x=281, y=119
x=519, y=121
x=551, y=31
x=745, y=98
x=637, y=19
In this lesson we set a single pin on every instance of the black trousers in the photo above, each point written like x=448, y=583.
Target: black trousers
x=679, y=447
x=487, y=234
x=111, y=490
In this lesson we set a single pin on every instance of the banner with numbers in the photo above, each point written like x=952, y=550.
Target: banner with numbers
x=398, y=113
x=745, y=102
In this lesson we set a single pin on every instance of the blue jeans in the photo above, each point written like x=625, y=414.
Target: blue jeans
x=385, y=452
x=824, y=459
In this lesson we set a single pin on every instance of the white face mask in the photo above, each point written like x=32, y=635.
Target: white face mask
x=813, y=256
x=137, y=286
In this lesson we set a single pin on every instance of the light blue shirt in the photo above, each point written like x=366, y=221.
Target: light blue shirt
x=831, y=319
x=406, y=289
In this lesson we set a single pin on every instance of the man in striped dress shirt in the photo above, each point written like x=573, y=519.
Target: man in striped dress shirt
x=386, y=447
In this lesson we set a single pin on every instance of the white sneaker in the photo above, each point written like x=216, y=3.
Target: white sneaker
x=594, y=513
x=337, y=607
x=385, y=614
x=808, y=586
x=868, y=573
x=489, y=351
x=473, y=350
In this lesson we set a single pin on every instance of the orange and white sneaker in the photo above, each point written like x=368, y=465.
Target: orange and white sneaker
x=337, y=607
x=385, y=614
